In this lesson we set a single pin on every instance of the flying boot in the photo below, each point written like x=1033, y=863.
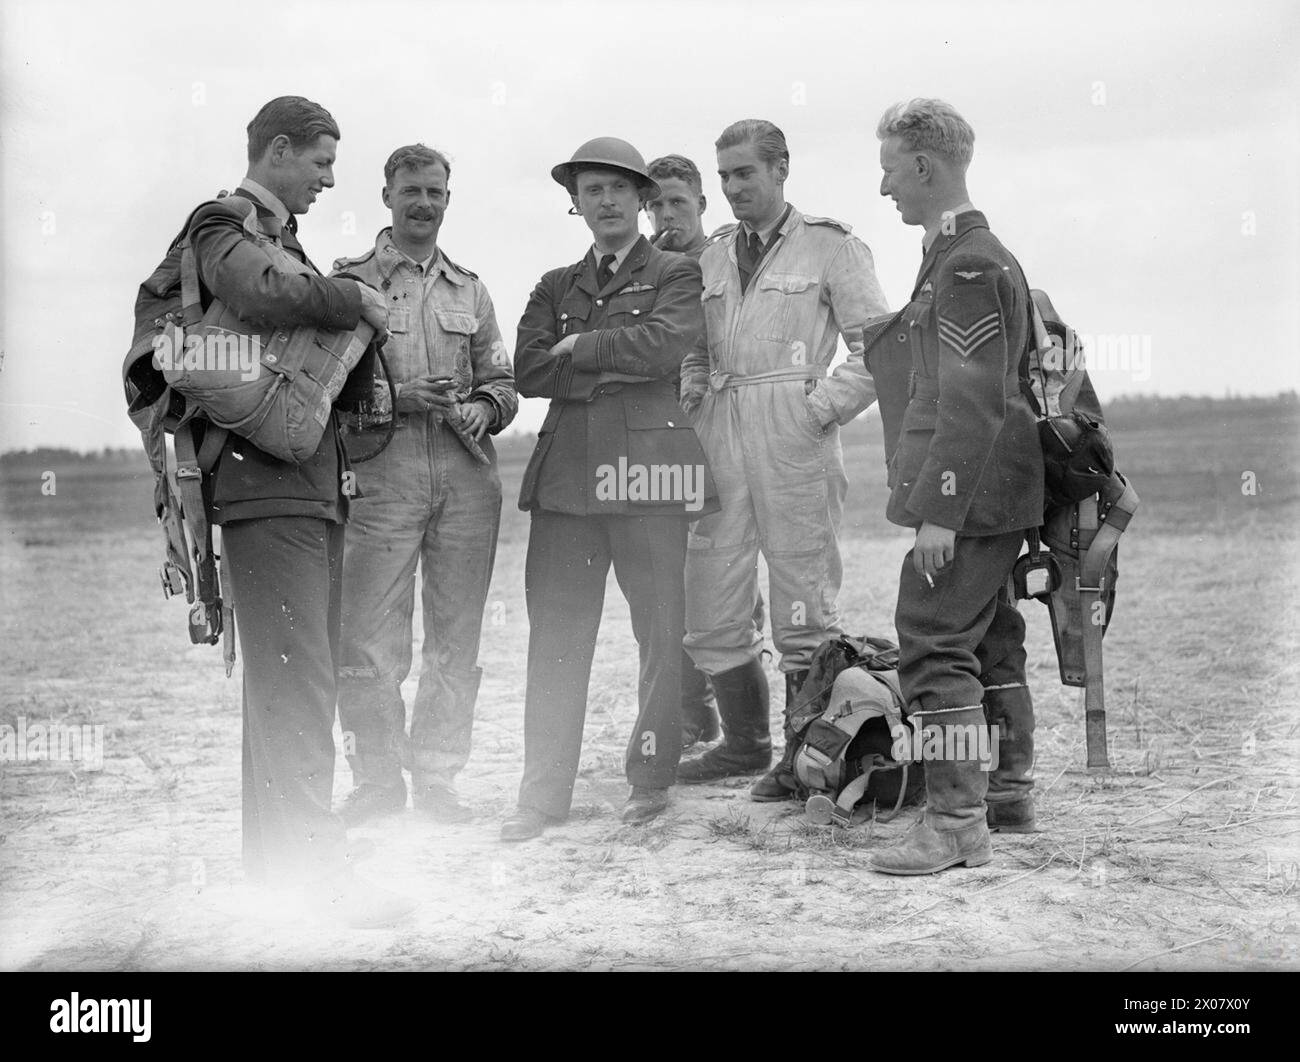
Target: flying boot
x=746, y=746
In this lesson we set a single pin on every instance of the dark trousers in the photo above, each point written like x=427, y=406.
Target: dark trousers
x=564, y=581
x=964, y=633
x=286, y=575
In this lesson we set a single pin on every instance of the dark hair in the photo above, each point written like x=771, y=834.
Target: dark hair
x=678, y=166
x=768, y=140
x=413, y=156
x=302, y=121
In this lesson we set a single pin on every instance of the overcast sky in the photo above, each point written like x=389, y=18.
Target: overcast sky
x=1142, y=160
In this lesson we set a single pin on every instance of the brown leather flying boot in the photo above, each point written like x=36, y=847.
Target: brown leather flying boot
x=746, y=744
x=951, y=830
x=1010, y=798
x=780, y=783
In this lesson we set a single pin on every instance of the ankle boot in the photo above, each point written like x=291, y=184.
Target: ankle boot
x=746, y=747
x=780, y=783
x=952, y=829
x=1010, y=710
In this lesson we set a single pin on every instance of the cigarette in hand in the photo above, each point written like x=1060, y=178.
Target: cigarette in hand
x=929, y=579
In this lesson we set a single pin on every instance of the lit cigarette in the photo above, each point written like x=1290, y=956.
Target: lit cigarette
x=929, y=580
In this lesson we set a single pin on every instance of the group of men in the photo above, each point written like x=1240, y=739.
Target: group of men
x=693, y=423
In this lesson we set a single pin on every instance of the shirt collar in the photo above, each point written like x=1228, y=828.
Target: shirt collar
x=620, y=256
x=765, y=234
x=390, y=256
x=268, y=199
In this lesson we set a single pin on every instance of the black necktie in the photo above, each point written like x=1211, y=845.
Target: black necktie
x=750, y=254
x=605, y=271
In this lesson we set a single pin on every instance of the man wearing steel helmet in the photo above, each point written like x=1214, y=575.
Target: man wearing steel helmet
x=615, y=477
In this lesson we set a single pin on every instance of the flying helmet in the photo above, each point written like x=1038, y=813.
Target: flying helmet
x=606, y=153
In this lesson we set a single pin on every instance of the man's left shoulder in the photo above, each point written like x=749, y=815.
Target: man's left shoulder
x=981, y=263
x=842, y=228
x=457, y=267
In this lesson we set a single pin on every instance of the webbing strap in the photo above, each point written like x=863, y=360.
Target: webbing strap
x=189, y=484
x=1117, y=513
x=227, y=613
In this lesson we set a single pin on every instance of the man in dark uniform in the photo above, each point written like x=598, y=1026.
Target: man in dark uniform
x=282, y=528
x=966, y=471
x=616, y=476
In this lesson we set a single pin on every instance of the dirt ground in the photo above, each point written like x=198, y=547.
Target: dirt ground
x=1185, y=856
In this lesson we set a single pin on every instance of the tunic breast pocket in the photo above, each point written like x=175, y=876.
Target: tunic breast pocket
x=455, y=328
x=572, y=316
x=630, y=308
x=714, y=301
x=787, y=307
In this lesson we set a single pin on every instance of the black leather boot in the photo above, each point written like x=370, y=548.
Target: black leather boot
x=1011, y=799
x=743, y=703
x=699, y=714
x=779, y=783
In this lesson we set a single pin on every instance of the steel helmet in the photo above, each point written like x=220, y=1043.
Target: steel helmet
x=609, y=153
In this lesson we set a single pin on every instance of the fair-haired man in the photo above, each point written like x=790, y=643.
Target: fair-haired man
x=678, y=210
x=604, y=339
x=282, y=524
x=426, y=500
x=966, y=473
x=780, y=289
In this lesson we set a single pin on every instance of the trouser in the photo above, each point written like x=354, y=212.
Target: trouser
x=425, y=500
x=564, y=581
x=781, y=487
x=963, y=634
x=285, y=573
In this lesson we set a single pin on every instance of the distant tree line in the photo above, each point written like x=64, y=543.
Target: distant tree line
x=1123, y=411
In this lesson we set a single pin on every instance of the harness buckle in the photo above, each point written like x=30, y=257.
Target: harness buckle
x=1045, y=585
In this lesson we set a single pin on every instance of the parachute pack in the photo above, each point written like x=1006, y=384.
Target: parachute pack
x=846, y=721
x=197, y=374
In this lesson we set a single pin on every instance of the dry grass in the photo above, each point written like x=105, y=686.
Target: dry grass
x=1184, y=856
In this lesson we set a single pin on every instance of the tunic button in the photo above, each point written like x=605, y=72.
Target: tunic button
x=600, y=302
x=636, y=313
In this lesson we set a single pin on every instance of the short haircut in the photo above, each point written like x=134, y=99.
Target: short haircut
x=678, y=166
x=414, y=156
x=302, y=121
x=768, y=140
x=932, y=126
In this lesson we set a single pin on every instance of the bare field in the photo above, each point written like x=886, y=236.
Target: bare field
x=1185, y=856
